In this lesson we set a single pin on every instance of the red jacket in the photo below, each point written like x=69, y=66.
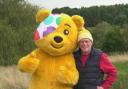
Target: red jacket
x=107, y=67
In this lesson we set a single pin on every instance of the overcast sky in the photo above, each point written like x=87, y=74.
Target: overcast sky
x=51, y=4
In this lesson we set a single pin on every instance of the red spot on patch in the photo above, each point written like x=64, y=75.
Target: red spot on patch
x=36, y=36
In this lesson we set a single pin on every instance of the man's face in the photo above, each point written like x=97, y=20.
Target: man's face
x=85, y=45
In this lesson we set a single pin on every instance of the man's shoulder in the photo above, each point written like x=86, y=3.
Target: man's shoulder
x=99, y=51
x=77, y=53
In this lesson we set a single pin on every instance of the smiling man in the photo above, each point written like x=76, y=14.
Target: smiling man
x=92, y=65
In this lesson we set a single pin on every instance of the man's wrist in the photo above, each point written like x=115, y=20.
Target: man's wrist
x=100, y=87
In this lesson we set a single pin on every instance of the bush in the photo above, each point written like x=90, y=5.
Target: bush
x=14, y=43
x=113, y=41
x=17, y=23
x=99, y=32
x=110, y=38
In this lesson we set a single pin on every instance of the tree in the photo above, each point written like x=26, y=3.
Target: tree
x=113, y=41
x=17, y=23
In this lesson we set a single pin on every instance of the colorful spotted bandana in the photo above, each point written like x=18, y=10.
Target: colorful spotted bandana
x=47, y=26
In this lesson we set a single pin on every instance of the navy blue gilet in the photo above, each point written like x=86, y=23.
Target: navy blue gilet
x=90, y=75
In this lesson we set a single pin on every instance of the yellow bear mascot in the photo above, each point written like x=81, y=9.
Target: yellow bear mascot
x=52, y=64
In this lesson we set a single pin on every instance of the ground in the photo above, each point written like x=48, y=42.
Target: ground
x=11, y=78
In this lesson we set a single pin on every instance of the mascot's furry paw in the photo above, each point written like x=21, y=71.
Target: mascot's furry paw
x=28, y=64
x=66, y=76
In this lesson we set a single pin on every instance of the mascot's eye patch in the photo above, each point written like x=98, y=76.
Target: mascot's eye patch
x=66, y=32
x=47, y=26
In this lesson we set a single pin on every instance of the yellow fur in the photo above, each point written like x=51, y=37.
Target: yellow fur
x=53, y=68
x=78, y=21
x=41, y=15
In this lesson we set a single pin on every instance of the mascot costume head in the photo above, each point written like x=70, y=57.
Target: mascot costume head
x=52, y=64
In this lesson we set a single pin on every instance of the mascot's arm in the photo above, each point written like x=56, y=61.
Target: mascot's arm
x=29, y=63
x=68, y=74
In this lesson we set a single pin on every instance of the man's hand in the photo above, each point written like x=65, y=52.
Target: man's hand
x=100, y=87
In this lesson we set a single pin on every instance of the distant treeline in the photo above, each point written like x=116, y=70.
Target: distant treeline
x=114, y=14
x=17, y=24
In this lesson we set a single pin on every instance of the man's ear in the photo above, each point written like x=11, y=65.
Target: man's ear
x=42, y=14
x=79, y=21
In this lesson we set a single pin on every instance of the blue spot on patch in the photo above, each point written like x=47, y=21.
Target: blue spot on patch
x=49, y=20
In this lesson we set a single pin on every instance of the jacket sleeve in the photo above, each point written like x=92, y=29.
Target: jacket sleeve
x=109, y=70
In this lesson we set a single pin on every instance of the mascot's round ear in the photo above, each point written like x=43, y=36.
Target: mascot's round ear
x=79, y=21
x=42, y=14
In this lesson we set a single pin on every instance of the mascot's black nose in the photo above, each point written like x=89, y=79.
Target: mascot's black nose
x=58, y=39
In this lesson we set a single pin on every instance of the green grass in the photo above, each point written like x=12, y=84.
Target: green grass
x=122, y=82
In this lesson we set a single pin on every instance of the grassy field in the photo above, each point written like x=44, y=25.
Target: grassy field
x=11, y=78
x=122, y=82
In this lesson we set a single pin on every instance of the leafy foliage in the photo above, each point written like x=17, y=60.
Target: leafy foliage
x=17, y=25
